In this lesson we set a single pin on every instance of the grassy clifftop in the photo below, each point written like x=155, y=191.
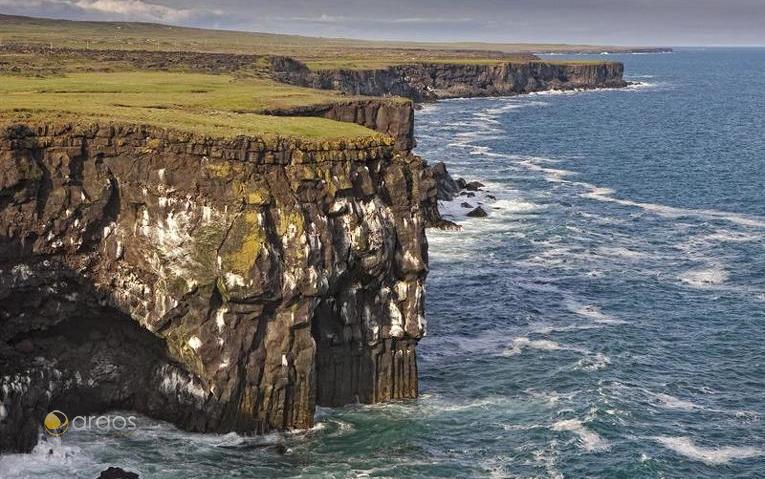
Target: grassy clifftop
x=219, y=105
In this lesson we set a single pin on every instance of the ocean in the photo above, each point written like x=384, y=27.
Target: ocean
x=606, y=320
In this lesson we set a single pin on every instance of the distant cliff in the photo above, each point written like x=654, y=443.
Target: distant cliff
x=431, y=81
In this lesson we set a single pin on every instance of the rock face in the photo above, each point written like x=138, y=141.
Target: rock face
x=431, y=81
x=447, y=187
x=223, y=285
x=392, y=117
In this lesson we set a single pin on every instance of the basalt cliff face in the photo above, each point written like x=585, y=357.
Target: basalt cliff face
x=432, y=81
x=223, y=285
x=392, y=117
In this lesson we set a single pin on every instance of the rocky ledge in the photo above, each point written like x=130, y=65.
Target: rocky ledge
x=222, y=285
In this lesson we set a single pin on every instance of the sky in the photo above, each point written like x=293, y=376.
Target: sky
x=616, y=22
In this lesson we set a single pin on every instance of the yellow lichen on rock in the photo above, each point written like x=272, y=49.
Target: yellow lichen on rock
x=252, y=236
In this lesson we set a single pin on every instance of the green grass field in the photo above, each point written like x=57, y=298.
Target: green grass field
x=317, y=52
x=218, y=105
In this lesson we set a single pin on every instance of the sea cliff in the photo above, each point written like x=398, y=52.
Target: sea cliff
x=219, y=284
x=432, y=81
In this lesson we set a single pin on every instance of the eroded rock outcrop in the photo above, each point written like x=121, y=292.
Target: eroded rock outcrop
x=393, y=117
x=224, y=285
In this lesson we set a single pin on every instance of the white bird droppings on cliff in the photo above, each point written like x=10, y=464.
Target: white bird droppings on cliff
x=195, y=343
x=224, y=364
x=401, y=290
x=233, y=280
x=220, y=321
x=396, y=321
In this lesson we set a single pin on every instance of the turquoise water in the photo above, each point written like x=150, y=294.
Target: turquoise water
x=607, y=319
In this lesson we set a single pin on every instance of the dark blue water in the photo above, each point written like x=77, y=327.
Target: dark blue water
x=607, y=319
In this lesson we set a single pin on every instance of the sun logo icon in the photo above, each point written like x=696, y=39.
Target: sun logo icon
x=56, y=423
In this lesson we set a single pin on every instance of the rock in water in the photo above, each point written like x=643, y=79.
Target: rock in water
x=117, y=473
x=474, y=186
x=447, y=187
x=478, y=213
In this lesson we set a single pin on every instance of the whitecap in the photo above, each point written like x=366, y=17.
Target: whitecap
x=622, y=252
x=593, y=312
x=590, y=440
x=521, y=343
x=714, y=456
x=702, y=278
x=671, y=402
x=604, y=194
x=593, y=362
x=731, y=237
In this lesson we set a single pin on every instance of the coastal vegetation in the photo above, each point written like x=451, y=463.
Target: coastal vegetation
x=219, y=105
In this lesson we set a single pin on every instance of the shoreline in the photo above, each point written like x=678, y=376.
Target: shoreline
x=136, y=243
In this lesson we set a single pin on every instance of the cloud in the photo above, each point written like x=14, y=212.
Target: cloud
x=339, y=19
x=134, y=9
x=109, y=9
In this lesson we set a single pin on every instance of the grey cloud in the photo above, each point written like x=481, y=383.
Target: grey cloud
x=633, y=22
x=108, y=9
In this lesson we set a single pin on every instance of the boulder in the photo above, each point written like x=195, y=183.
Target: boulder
x=117, y=473
x=478, y=213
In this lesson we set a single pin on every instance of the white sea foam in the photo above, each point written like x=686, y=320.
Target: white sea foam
x=671, y=402
x=590, y=440
x=731, y=237
x=592, y=312
x=702, y=278
x=606, y=194
x=517, y=206
x=621, y=252
x=709, y=455
x=593, y=362
x=521, y=343
x=51, y=458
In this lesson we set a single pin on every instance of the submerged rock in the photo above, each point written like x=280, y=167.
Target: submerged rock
x=117, y=473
